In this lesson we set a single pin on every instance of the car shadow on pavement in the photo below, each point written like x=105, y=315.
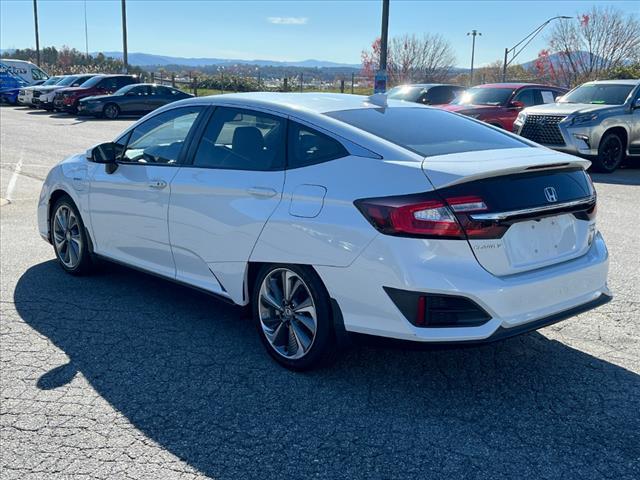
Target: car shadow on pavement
x=190, y=373
x=627, y=175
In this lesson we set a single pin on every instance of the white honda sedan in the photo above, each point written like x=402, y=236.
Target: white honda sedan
x=332, y=214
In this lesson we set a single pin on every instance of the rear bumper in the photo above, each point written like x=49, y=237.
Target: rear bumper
x=515, y=303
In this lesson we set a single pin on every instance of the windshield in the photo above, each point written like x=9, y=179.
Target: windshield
x=405, y=92
x=605, y=94
x=125, y=89
x=91, y=82
x=427, y=131
x=484, y=96
x=52, y=81
x=67, y=80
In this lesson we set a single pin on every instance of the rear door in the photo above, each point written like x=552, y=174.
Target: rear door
x=221, y=201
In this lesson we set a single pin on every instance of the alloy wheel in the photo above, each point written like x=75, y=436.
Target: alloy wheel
x=67, y=237
x=611, y=151
x=287, y=313
x=111, y=111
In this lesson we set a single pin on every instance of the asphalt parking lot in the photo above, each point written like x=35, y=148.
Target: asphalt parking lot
x=121, y=375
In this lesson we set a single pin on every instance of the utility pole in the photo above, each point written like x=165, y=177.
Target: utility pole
x=474, y=34
x=86, y=31
x=125, y=59
x=35, y=19
x=380, y=82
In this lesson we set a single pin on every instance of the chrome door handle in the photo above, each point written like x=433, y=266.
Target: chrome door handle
x=262, y=192
x=159, y=184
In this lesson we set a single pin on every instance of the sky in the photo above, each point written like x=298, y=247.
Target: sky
x=329, y=30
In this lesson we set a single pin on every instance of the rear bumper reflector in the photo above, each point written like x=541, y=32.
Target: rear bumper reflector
x=436, y=310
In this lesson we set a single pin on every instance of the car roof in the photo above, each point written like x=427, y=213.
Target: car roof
x=295, y=102
x=514, y=85
x=616, y=82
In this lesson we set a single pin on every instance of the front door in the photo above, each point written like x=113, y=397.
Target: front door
x=128, y=208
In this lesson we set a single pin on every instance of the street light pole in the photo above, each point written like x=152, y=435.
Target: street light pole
x=474, y=34
x=125, y=58
x=528, y=40
x=35, y=19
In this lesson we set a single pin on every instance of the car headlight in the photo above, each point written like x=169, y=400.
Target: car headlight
x=584, y=118
x=520, y=119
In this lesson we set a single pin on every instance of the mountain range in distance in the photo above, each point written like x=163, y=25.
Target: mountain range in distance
x=149, y=59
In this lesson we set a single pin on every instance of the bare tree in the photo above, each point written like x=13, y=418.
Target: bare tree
x=595, y=43
x=410, y=58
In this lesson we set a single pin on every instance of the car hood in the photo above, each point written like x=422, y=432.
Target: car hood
x=49, y=88
x=100, y=97
x=445, y=170
x=565, y=108
x=469, y=109
x=74, y=90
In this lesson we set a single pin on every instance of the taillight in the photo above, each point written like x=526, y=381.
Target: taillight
x=429, y=216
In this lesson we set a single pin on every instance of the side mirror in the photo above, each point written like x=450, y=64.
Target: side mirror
x=636, y=104
x=516, y=104
x=106, y=153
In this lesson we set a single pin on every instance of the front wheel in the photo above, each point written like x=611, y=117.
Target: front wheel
x=111, y=111
x=69, y=237
x=610, y=153
x=292, y=311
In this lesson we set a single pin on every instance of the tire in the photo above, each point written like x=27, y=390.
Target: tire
x=111, y=111
x=70, y=245
x=610, y=153
x=286, y=333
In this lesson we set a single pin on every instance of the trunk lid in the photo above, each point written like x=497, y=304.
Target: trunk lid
x=540, y=206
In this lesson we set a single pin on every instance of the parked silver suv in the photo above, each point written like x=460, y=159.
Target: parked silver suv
x=597, y=120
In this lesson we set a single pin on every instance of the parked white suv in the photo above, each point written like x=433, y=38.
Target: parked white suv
x=331, y=214
x=597, y=120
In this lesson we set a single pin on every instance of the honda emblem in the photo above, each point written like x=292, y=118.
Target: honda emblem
x=551, y=194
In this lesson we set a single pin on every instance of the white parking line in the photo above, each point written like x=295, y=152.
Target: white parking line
x=14, y=178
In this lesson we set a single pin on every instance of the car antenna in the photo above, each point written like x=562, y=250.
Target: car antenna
x=379, y=99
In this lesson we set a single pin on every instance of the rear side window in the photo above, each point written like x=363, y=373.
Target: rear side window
x=308, y=147
x=427, y=131
x=238, y=139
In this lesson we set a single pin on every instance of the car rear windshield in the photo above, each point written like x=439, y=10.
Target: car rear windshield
x=484, y=96
x=605, y=94
x=427, y=131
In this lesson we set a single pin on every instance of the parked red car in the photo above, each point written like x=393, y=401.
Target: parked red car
x=68, y=99
x=499, y=103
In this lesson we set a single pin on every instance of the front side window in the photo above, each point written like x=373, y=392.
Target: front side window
x=427, y=131
x=308, y=147
x=38, y=74
x=159, y=140
x=526, y=96
x=238, y=139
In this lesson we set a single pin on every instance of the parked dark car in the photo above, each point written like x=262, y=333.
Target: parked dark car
x=135, y=99
x=426, y=93
x=68, y=99
x=498, y=104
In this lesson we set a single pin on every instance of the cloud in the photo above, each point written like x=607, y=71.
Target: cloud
x=288, y=20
